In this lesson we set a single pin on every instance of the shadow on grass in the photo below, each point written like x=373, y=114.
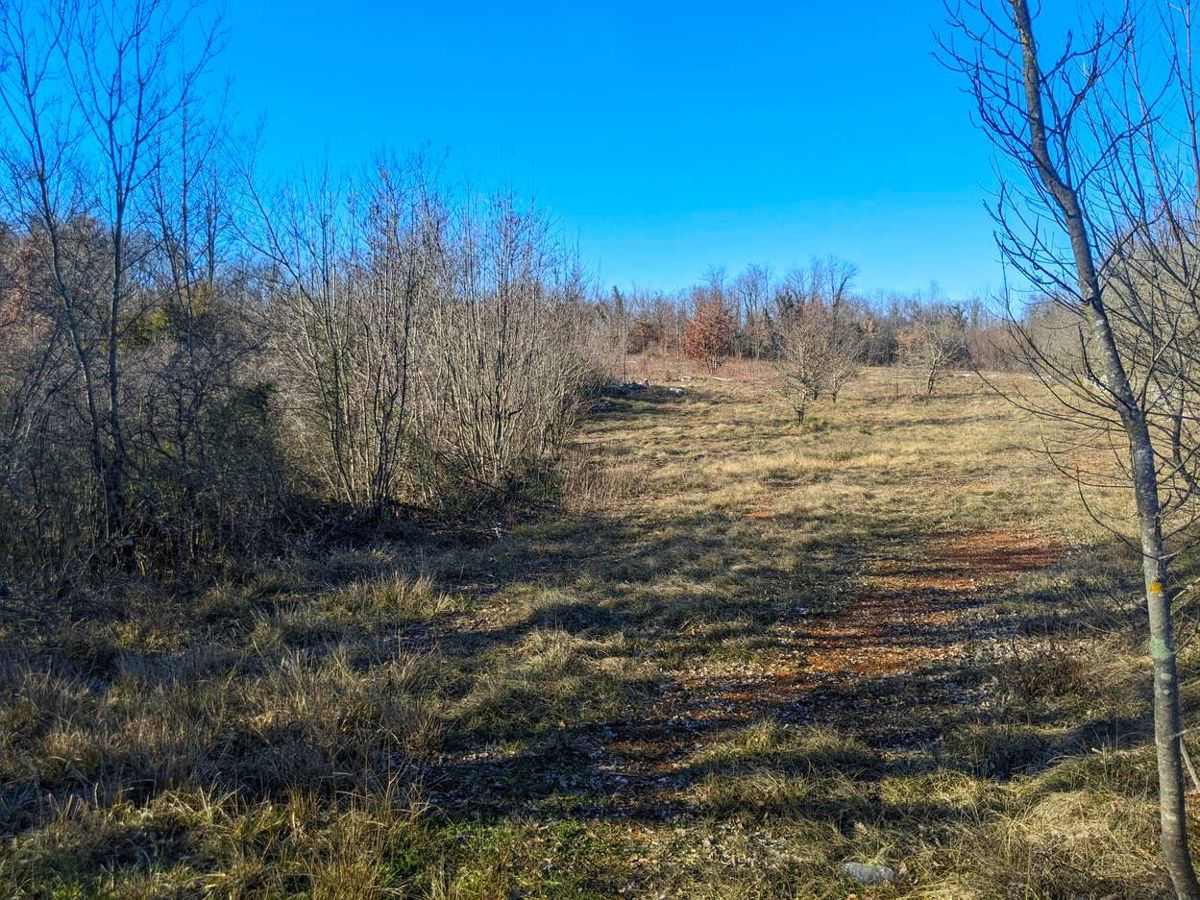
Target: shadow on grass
x=618, y=403
x=629, y=652
x=687, y=595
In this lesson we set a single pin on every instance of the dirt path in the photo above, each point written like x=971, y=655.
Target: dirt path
x=877, y=668
x=869, y=667
x=914, y=611
x=888, y=659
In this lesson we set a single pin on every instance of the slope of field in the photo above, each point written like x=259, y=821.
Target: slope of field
x=734, y=655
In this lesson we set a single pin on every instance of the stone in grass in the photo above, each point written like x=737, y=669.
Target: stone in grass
x=865, y=874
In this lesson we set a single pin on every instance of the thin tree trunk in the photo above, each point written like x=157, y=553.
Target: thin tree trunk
x=1167, y=727
x=114, y=475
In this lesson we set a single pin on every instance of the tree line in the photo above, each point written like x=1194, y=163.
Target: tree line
x=818, y=331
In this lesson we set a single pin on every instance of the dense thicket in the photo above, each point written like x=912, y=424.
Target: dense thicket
x=184, y=359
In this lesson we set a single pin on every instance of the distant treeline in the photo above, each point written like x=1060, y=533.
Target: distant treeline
x=759, y=307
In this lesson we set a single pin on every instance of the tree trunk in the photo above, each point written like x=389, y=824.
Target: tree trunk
x=1167, y=725
x=114, y=475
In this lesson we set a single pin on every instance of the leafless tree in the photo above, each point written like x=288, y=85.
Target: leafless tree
x=934, y=341
x=820, y=351
x=619, y=317
x=752, y=293
x=1102, y=222
x=89, y=91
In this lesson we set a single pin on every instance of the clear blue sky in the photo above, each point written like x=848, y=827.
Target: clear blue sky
x=665, y=137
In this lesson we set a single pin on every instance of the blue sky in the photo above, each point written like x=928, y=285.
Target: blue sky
x=665, y=137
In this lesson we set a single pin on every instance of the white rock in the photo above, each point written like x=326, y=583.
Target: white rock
x=865, y=874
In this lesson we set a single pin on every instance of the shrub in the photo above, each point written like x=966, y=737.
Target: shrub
x=709, y=333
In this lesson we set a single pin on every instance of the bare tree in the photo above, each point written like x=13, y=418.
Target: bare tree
x=1103, y=224
x=832, y=278
x=934, y=341
x=619, y=317
x=752, y=292
x=90, y=90
x=820, y=351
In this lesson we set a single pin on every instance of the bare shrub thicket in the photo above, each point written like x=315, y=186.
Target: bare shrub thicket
x=508, y=353
x=348, y=292
x=181, y=356
x=135, y=433
x=422, y=343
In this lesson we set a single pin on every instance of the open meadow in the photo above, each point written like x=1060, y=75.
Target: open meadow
x=725, y=656
x=445, y=453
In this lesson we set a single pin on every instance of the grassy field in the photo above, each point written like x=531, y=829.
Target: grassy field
x=733, y=655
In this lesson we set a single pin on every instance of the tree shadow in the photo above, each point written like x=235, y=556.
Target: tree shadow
x=637, y=766
x=660, y=626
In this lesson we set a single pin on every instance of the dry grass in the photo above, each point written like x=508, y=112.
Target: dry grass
x=736, y=655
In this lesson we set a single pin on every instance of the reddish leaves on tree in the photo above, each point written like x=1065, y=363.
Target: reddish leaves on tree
x=708, y=335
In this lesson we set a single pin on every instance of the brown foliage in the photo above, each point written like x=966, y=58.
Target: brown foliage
x=709, y=333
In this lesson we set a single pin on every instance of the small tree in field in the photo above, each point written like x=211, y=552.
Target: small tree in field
x=709, y=333
x=934, y=342
x=820, y=351
x=1101, y=134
